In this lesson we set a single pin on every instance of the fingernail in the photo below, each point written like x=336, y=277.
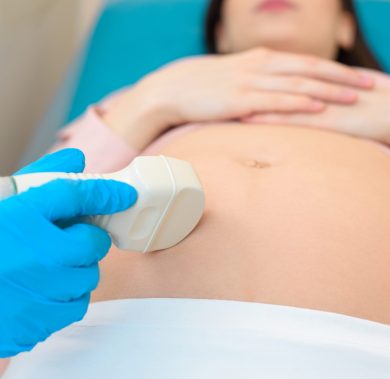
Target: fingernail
x=317, y=105
x=366, y=81
x=349, y=95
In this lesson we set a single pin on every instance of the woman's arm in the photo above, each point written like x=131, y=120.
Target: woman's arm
x=99, y=133
x=104, y=150
x=220, y=88
x=210, y=88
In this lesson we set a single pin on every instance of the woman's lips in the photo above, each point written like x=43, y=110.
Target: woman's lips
x=275, y=6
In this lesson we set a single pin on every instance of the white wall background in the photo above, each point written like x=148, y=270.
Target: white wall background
x=38, y=41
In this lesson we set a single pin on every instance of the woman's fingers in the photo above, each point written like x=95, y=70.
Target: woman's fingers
x=259, y=102
x=318, y=121
x=309, y=87
x=313, y=67
x=336, y=118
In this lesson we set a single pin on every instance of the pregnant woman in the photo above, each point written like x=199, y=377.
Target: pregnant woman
x=288, y=273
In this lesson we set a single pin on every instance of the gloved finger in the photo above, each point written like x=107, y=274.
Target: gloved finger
x=80, y=282
x=54, y=316
x=90, y=244
x=65, y=283
x=67, y=199
x=67, y=160
x=63, y=314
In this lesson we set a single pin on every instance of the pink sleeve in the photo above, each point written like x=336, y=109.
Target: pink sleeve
x=104, y=150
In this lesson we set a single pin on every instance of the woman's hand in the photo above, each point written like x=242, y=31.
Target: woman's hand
x=368, y=118
x=217, y=88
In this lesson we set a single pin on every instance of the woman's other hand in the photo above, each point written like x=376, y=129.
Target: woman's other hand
x=220, y=88
x=367, y=118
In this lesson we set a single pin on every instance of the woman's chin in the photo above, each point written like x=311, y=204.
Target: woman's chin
x=282, y=43
x=285, y=43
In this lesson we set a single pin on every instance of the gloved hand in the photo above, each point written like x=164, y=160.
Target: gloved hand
x=47, y=273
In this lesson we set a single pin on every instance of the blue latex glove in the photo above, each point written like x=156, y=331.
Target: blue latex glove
x=67, y=160
x=47, y=273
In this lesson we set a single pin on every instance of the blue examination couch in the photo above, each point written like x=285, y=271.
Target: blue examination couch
x=134, y=37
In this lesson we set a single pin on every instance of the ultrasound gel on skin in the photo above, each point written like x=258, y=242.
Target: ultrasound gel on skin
x=169, y=206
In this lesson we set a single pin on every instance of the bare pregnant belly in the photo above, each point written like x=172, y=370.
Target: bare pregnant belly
x=294, y=216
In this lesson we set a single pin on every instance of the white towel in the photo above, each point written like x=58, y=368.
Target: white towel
x=184, y=338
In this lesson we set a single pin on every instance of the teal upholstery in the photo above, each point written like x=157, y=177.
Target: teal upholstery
x=375, y=19
x=134, y=37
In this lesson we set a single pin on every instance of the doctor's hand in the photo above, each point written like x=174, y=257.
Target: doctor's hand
x=229, y=87
x=368, y=118
x=47, y=272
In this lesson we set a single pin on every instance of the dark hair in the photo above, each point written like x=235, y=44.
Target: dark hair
x=359, y=55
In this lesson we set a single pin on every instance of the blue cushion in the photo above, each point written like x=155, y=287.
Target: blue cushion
x=134, y=37
x=375, y=19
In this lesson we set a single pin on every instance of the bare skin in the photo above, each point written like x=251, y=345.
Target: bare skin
x=298, y=217
x=292, y=239
x=294, y=216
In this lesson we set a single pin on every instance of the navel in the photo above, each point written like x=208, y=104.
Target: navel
x=254, y=163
